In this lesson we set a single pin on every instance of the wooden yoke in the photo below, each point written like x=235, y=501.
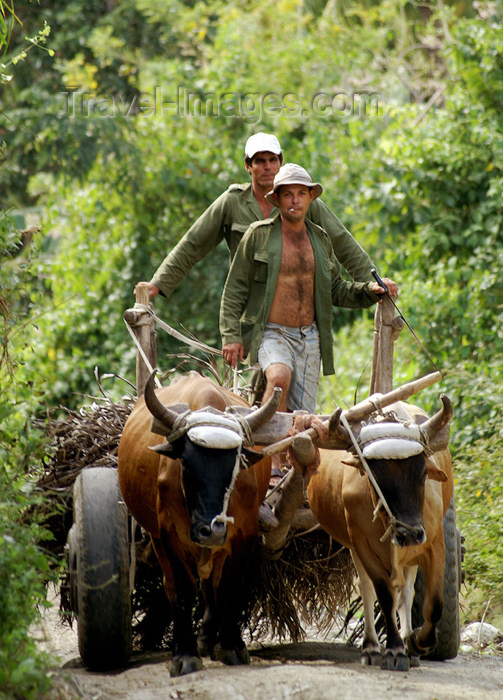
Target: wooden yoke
x=387, y=328
x=143, y=327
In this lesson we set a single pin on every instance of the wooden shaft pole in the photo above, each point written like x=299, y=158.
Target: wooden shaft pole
x=375, y=354
x=144, y=330
x=366, y=407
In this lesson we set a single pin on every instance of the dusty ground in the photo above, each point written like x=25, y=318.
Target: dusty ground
x=313, y=670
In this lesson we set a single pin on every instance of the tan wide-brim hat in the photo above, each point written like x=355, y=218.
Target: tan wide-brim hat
x=292, y=174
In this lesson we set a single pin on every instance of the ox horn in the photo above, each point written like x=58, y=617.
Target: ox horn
x=256, y=418
x=156, y=408
x=432, y=427
x=337, y=431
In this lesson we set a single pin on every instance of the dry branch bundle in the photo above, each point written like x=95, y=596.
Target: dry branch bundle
x=86, y=438
x=306, y=588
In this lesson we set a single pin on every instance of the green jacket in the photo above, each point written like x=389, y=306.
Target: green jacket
x=229, y=217
x=249, y=289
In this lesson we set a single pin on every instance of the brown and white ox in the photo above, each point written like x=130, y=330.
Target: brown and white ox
x=198, y=495
x=387, y=549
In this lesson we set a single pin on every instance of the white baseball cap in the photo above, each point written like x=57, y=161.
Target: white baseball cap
x=262, y=142
x=292, y=174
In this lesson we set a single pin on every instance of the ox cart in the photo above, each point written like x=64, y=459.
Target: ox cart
x=101, y=544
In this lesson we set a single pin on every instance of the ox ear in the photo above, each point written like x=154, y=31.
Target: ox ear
x=352, y=460
x=251, y=456
x=434, y=471
x=163, y=448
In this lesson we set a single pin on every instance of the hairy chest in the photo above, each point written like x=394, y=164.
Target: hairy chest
x=297, y=258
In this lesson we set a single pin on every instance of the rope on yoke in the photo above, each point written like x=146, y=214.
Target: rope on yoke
x=376, y=401
x=381, y=503
x=243, y=424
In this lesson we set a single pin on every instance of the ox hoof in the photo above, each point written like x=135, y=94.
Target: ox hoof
x=204, y=649
x=370, y=658
x=414, y=661
x=181, y=665
x=232, y=657
x=402, y=662
x=395, y=661
x=415, y=648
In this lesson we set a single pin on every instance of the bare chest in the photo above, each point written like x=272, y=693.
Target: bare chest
x=293, y=302
x=297, y=258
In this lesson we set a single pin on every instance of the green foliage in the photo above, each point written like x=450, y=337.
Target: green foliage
x=8, y=19
x=24, y=566
x=480, y=515
x=23, y=570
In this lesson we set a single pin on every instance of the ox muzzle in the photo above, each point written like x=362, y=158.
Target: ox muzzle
x=408, y=535
x=212, y=535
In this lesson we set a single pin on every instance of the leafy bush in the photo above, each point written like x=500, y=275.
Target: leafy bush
x=24, y=566
x=479, y=484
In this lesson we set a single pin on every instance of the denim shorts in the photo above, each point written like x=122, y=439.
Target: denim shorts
x=299, y=349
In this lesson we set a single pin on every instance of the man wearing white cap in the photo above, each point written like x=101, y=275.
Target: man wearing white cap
x=231, y=214
x=277, y=302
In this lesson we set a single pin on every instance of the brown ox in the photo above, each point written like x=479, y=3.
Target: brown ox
x=179, y=492
x=417, y=490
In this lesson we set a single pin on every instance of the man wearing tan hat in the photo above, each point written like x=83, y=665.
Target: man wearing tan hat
x=231, y=214
x=277, y=302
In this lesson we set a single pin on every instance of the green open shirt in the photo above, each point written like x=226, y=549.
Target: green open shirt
x=251, y=283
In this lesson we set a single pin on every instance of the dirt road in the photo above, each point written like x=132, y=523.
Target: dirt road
x=313, y=670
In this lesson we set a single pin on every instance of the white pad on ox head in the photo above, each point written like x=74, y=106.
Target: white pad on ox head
x=392, y=448
x=390, y=440
x=207, y=417
x=217, y=438
x=375, y=431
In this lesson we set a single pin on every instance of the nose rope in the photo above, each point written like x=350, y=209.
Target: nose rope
x=381, y=503
x=245, y=431
x=223, y=517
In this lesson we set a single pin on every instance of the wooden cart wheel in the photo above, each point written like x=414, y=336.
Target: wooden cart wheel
x=448, y=629
x=102, y=569
x=71, y=559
